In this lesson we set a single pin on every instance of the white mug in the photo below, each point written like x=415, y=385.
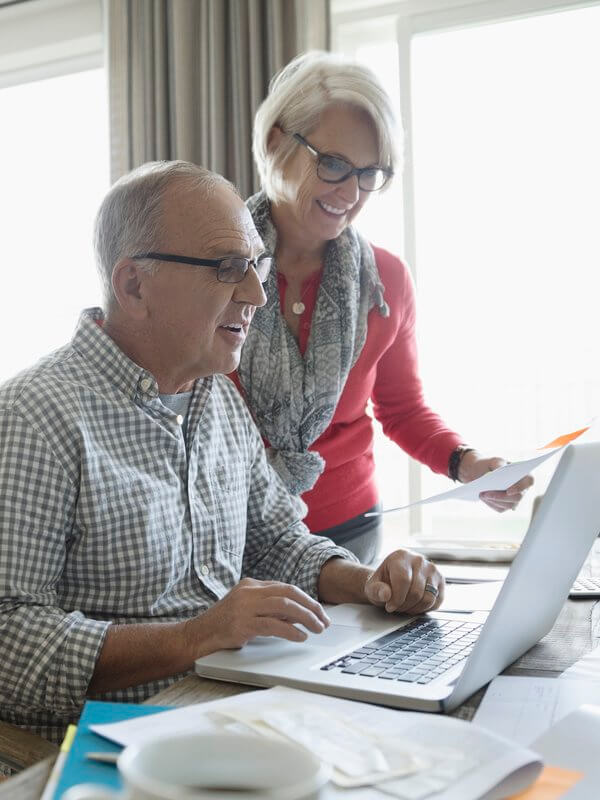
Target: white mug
x=203, y=766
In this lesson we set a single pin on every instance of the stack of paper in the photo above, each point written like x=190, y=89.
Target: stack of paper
x=465, y=598
x=574, y=743
x=408, y=766
x=466, y=573
x=553, y=717
x=523, y=708
x=388, y=753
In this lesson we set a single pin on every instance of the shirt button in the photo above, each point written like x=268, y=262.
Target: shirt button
x=204, y=570
x=179, y=419
x=145, y=383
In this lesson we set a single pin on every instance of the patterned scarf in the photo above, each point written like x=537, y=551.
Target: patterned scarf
x=293, y=399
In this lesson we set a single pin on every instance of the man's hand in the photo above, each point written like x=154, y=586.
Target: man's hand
x=256, y=608
x=473, y=465
x=406, y=582
x=139, y=653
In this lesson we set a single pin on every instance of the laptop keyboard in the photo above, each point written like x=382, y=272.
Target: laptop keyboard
x=417, y=653
x=586, y=586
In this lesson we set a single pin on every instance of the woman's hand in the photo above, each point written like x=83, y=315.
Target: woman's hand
x=473, y=465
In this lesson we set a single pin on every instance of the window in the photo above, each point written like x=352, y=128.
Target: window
x=54, y=150
x=503, y=170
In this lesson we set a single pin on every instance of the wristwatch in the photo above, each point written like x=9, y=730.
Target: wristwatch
x=455, y=459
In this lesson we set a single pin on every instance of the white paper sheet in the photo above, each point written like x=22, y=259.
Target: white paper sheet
x=462, y=573
x=522, y=708
x=498, y=480
x=486, y=759
x=587, y=668
x=359, y=756
x=574, y=743
x=470, y=597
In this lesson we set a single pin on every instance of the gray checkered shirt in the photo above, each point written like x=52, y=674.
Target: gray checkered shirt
x=104, y=516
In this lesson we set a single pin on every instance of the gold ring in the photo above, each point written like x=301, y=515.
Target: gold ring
x=429, y=587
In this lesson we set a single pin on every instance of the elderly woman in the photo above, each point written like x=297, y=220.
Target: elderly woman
x=338, y=328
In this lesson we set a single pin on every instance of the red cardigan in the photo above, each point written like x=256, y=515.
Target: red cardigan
x=387, y=373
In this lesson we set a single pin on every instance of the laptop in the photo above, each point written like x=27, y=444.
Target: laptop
x=434, y=662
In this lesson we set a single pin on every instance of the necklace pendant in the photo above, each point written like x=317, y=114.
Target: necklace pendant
x=298, y=308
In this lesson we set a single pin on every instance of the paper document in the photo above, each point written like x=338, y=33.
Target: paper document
x=587, y=668
x=573, y=742
x=522, y=708
x=565, y=438
x=506, y=476
x=462, y=573
x=498, y=480
x=385, y=752
x=552, y=783
x=470, y=597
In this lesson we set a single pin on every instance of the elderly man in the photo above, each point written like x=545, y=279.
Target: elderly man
x=140, y=524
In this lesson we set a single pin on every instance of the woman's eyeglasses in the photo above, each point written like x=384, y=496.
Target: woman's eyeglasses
x=231, y=269
x=335, y=169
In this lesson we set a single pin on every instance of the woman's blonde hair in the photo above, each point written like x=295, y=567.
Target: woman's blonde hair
x=298, y=95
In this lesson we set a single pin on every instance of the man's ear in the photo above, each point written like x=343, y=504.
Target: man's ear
x=128, y=280
x=274, y=138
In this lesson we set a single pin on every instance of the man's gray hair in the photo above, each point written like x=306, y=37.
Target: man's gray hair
x=130, y=219
x=298, y=95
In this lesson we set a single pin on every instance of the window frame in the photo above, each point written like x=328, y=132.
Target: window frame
x=42, y=40
x=49, y=38
x=350, y=19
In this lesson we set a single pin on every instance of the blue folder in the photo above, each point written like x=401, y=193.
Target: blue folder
x=79, y=769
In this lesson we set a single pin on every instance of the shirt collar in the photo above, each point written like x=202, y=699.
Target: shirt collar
x=104, y=355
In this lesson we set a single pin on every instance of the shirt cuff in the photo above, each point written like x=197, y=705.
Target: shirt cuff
x=71, y=670
x=319, y=551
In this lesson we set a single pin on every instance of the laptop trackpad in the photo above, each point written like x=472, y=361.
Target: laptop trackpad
x=351, y=622
x=334, y=636
x=366, y=617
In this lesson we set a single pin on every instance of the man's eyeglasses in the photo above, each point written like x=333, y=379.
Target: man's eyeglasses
x=231, y=269
x=335, y=169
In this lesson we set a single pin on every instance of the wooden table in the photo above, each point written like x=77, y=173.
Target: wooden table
x=575, y=633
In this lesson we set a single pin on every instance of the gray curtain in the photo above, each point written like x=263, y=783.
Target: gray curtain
x=186, y=76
